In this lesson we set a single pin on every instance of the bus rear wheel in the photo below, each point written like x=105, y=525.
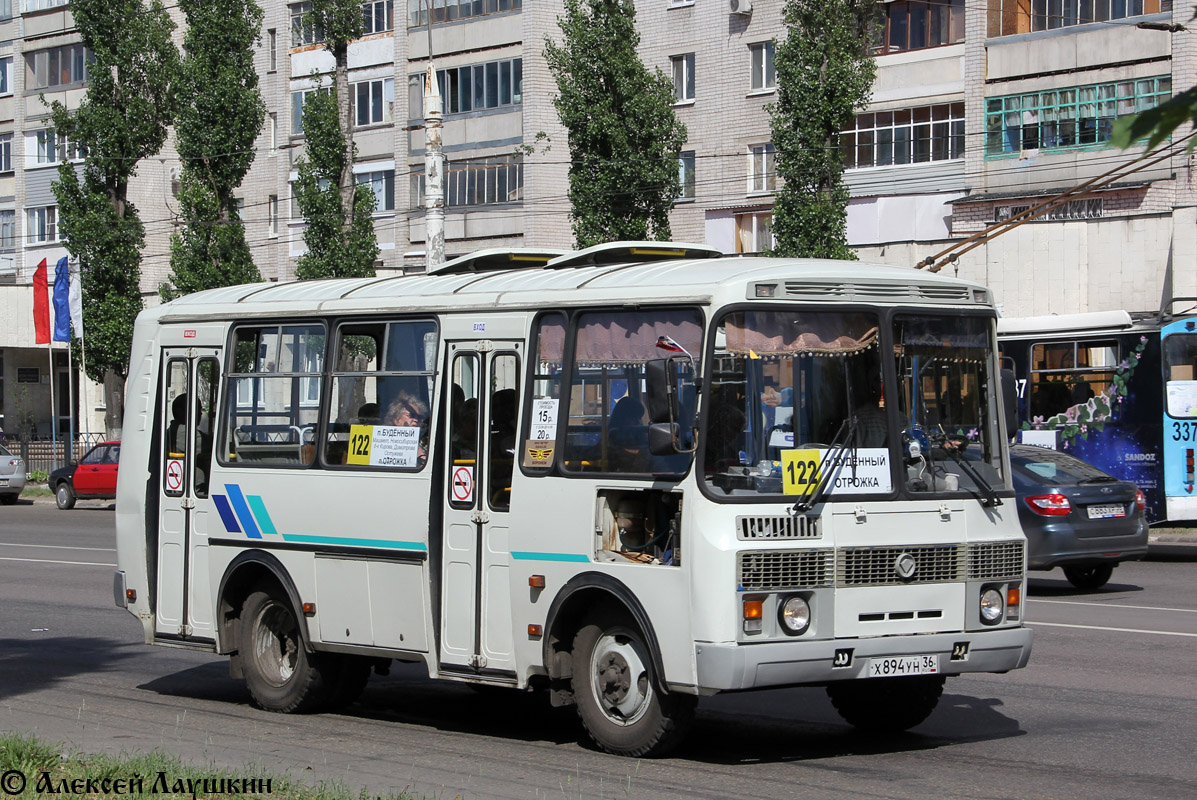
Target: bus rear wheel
x=886, y=705
x=281, y=675
x=616, y=691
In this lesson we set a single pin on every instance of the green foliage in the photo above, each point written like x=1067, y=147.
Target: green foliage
x=824, y=75
x=624, y=137
x=337, y=247
x=123, y=118
x=219, y=118
x=1157, y=124
x=340, y=20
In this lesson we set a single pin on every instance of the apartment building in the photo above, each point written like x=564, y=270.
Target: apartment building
x=979, y=110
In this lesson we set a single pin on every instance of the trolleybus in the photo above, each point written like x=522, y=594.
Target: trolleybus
x=630, y=476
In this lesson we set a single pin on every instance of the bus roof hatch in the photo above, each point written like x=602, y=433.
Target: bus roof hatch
x=633, y=252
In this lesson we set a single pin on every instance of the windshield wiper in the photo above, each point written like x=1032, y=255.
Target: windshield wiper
x=830, y=465
x=990, y=498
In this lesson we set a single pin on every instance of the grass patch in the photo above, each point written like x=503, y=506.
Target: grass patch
x=30, y=767
x=36, y=491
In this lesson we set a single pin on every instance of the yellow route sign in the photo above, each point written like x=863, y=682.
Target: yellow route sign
x=800, y=470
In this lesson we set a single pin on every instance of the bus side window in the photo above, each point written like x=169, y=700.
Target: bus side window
x=501, y=448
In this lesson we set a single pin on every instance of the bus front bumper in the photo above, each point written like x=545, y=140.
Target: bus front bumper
x=753, y=666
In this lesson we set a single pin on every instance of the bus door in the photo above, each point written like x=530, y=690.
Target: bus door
x=190, y=380
x=483, y=401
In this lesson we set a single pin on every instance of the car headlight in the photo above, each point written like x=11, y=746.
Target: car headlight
x=991, y=606
x=795, y=615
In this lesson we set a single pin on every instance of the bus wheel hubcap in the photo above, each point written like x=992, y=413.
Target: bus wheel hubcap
x=275, y=645
x=621, y=681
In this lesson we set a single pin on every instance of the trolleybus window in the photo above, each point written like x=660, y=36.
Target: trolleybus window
x=607, y=422
x=1064, y=374
x=785, y=380
x=1180, y=371
x=273, y=394
x=379, y=410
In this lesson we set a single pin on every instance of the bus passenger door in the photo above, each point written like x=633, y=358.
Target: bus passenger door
x=190, y=380
x=483, y=398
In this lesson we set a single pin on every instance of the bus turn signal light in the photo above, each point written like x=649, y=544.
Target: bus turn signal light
x=534, y=631
x=131, y=595
x=754, y=609
x=309, y=609
x=1013, y=596
x=536, y=581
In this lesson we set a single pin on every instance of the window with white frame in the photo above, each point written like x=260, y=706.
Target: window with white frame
x=303, y=30
x=685, y=174
x=474, y=87
x=905, y=136
x=8, y=229
x=57, y=66
x=297, y=101
x=683, y=77
x=382, y=184
x=49, y=148
x=272, y=214
x=6, y=75
x=373, y=100
x=5, y=10
x=1008, y=17
x=476, y=182
x=764, y=76
x=761, y=175
x=42, y=224
x=378, y=16
x=450, y=10
x=272, y=42
x=6, y=153
x=29, y=6
x=754, y=232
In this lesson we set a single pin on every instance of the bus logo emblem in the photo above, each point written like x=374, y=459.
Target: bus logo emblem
x=905, y=566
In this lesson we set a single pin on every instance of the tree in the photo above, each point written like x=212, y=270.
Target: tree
x=340, y=229
x=624, y=137
x=338, y=247
x=824, y=74
x=123, y=118
x=219, y=117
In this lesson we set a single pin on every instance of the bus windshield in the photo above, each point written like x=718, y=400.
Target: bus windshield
x=785, y=380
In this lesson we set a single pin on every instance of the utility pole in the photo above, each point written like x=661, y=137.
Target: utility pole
x=434, y=164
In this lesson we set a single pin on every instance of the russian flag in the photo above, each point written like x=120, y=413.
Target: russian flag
x=62, y=304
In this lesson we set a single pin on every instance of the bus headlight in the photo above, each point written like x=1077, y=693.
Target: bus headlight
x=991, y=606
x=794, y=615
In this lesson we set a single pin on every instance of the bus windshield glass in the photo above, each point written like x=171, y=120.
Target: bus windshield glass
x=786, y=379
x=946, y=403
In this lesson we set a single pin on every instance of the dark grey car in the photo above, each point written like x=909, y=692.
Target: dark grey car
x=1075, y=516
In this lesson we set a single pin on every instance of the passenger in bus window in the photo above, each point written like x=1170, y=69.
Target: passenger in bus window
x=405, y=411
x=872, y=427
x=627, y=437
x=176, y=432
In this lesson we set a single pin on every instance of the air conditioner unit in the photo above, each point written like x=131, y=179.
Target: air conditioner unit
x=740, y=6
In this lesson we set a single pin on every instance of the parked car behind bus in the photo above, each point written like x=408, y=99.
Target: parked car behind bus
x=93, y=478
x=12, y=476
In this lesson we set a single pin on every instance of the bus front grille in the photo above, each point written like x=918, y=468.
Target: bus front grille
x=765, y=570
x=875, y=566
x=991, y=560
x=786, y=526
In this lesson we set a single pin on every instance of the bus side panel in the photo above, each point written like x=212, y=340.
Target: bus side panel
x=136, y=490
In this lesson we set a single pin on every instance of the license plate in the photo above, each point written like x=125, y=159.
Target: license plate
x=1106, y=512
x=905, y=665
x=3, y=481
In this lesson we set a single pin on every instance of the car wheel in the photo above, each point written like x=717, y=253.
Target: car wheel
x=9, y=499
x=64, y=496
x=1093, y=577
x=281, y=675
x=886, y=705
x=617, y=695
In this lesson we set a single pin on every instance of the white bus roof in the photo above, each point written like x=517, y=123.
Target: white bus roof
x=678, y=280
x=1065, y=323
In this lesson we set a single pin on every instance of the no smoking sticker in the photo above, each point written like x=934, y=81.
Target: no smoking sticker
x=463, y=484
x=174, y=475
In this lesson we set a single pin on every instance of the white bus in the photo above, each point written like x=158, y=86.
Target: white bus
x=633, y=476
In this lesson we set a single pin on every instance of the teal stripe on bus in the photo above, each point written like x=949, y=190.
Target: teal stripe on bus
x=522, y=556
x=259, y=508
x=302, y=539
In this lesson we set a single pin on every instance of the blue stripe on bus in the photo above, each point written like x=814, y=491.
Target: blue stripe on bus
x=261, y=515
x=242, y=509
x=521, y=556
x=226, y=513
x=301, y=538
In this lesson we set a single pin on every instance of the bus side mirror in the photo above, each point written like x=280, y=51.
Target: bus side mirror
x=1009, y=386
x=660, y=379
x=663, y=438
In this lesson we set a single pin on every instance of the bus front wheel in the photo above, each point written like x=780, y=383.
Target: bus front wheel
x=280, y=674
x=886, y=705
x=617, y=696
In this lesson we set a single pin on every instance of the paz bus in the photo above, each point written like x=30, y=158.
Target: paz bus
x=629, y=476
x=1116, y=390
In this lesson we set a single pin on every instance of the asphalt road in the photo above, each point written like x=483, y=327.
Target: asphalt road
x=1107, y=708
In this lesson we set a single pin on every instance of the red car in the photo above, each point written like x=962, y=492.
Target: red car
x=94, y=477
